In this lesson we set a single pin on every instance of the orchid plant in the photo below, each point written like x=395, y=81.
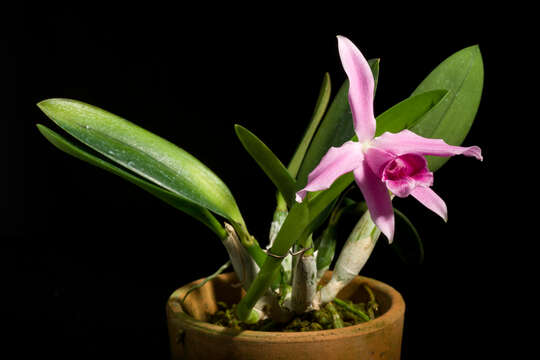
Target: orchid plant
x=343, y=143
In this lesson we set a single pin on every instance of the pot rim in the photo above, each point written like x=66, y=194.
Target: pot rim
x=391, y=316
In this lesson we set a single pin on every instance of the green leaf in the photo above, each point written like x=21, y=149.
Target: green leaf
x=326, y=247
x=462, y=74
x=374, y=64
x=320, y=108
x=298, y=157
x=407, y=244
x=198, y=212
x=335, y=129
x=269, y=163
x=293, y=230
x=318, y=204
x=144, y=153
x=407, y=113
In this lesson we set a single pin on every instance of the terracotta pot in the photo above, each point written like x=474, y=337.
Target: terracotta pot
x=192, y=338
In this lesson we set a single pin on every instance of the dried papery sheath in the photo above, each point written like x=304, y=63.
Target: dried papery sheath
x=245, y=268
x=269, y=306
x=277, y=221
x=304, y=285
x=353, y=257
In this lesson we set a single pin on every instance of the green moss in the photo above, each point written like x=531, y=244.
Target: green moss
x=311, y=321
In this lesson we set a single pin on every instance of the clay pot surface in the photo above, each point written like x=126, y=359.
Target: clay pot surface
x=193, y=338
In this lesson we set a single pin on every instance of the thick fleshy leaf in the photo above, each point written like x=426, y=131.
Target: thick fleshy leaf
x=406, y=113
x=324, y=199
x=320, y=109
x=335, y=129
x=268, y=162
x=374, y=65
x=361, y=88
x=144, y=153
x=198, y=212
x=326, y=247
x=293, y=229
x=462, y=74
x=298, y=157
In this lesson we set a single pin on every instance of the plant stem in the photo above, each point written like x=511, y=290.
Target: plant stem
x=243, y=264
x=306, y=243
x=293, y=230
x=353, y=257
x=264, y=278
x=250, y=244
x=304, y=285
x=216, y=227
x=352, y=309
x=279, y=217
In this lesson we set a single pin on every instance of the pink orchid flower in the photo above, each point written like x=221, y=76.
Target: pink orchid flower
x=392, y=162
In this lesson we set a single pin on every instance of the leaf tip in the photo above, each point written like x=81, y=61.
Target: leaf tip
x=42, y=129
x=48, y=106
x=238, y=129
x=42, y=104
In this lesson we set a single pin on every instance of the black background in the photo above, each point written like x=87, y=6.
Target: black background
x=91, y=259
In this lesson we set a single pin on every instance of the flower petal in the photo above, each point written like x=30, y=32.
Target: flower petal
x=423, y=178
x=361, y=88
x=336, y=162
x=378, y=159
x=431, y=200
x=401, y=187
x=377, y=199
x=408, y=142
